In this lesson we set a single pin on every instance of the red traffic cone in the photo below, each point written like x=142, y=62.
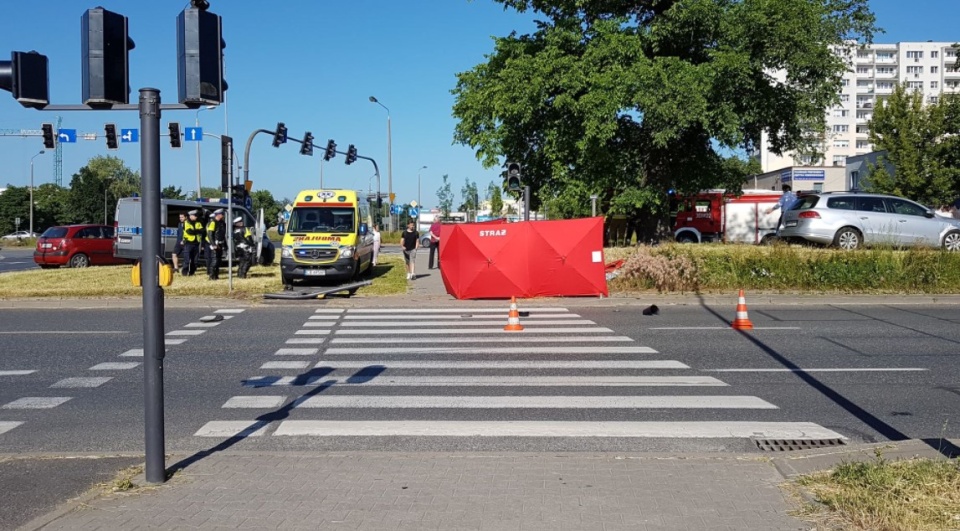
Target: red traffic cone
x=513, y=318
x=742, y=322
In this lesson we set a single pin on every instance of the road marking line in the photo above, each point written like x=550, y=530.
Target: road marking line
x=329, y=310
x=255, y=402
x=697, y=430
x=232, y=428
x=450, y=310
x=68, y=332
x=311, y=332
x=95, y=381
x=480, y=364
x=305, y=341
x=115, y=366
x=229, y=311
x=495, y=350
x=317, y=324
x=506, y=339
x=133, y=353
x=466, y=332
x=525, y=322
x=209, y=318
x=324, y=317
x=202, y=325
x=722, y=328
x=17, y=372
x=168, y=341
x=533, y=402
x=465, y=316
x=296, y=352
x=488, y=381
x=186, y=332
x=285, y=365
x=37, y=402
x=866, y=369
x=7, y=425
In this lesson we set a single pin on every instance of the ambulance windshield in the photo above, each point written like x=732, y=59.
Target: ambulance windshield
x=321, y=219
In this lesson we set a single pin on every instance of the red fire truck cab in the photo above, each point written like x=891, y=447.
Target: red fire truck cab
x=721, y=216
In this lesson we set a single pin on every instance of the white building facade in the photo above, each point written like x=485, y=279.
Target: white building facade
x=875, y=70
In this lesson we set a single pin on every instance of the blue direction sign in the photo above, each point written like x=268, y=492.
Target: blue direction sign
x=129, y=135
x=67, y=135
x=414, y=212
x=193, y=134
x=394, y=209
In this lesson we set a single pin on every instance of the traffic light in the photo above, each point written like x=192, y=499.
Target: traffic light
x=331, y=150
x=307, y=147
x=239, y=193
x=49, y=139
x=111, y=131
x=175, y=134
x=25, y=76
x=513, y=177
x=226, y=162
x=105, y=50
x=351, y=154
x=280, y=137
x=200, y=47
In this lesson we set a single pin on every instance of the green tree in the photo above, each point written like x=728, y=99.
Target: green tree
x=14, y=203
x=95, y=188
x=445, y=196
x=50, y=206
x=271, y=207
x=917, y=139
x=172, y=192
x=470, y=196
x=635, y=98
x=495, y=196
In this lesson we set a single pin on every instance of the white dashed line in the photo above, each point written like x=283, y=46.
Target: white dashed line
x=233, y=428
x=328, y=310
x=453, y=310
x=496, y=350
x=168, y=341
x=297, y=351
x=186, y=332
x=203, y=325
x=469, y=331
x=306, y=341
x=255, y=402
x=481, y=364
x=324, y=317
x=285, y=365
x=311, y=332
x=229, y=311
x=8, y=425
x=521, y=338
x=94, y=381
x=17, y=373
x=315, y=324
x=524, y=322
x=488, y=381
x=534, y=402
x=114, y=366
x=37, y=402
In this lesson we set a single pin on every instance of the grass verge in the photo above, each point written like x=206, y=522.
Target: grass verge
x=882, y=495
x=114, y=281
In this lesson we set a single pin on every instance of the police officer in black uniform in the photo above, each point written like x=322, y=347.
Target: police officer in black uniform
x=216, y=241
x=243, y=246
x=192, y=240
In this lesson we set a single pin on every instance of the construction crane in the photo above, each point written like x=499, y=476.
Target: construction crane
x=57, y=153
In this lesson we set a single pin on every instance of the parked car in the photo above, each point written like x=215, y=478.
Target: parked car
x=76, y=246
x=19, y=235
x=849, y=220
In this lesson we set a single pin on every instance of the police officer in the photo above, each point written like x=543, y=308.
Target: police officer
x=192, y=240
x=243, y=245
x=216, y=241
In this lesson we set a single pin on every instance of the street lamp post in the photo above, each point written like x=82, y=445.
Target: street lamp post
x=196, y=123
x=419, y=200
x=389, y=157
x=31, y=189
x=593, y=205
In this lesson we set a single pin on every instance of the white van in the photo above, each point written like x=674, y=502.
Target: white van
x=426, y=219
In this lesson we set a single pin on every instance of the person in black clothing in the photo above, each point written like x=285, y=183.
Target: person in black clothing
x=216, y=241
x=178, y=247
x=192, y=241
x=411, y=242
x=243, y=246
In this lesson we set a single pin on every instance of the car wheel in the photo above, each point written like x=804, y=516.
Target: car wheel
x=951, y=242
x=769, y=239
x=79, y=260
x=686, y=238
x=848, y=238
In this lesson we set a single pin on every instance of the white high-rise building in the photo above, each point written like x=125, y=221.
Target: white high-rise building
x=875, y=71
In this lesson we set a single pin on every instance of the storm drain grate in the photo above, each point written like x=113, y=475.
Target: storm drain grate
x=787, y=445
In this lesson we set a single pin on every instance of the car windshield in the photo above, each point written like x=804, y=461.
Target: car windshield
x=54, y=232
x=321, y=219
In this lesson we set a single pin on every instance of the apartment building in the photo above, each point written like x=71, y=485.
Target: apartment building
x=875, y=70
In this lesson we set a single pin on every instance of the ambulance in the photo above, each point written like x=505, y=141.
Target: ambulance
x=327, y=237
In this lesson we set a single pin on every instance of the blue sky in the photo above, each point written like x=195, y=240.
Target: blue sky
x=313, y=65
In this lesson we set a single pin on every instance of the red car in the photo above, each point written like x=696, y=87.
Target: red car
x=76, y=246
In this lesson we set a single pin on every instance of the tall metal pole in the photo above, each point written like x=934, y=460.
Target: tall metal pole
x=196, y=123
x=31, y=190
x=389, y=161
x=419, y=200
x=153, y=348
x=526, y=203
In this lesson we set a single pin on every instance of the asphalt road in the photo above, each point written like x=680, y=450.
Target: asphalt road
x=16, y=258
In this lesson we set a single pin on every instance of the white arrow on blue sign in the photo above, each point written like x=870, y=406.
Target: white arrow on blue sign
x=414, y=212
x=193, y=134
x=67, y=135
x=129, y=135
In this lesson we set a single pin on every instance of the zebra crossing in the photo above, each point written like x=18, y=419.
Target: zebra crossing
x=454, y=372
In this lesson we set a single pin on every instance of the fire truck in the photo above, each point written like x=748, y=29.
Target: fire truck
x=721, y=216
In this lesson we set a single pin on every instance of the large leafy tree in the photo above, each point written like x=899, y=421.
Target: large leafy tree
x=95, y=188
x=627, y=99
x=14, y=203
x=921, y=143
x=495, y=196
x=271, y=207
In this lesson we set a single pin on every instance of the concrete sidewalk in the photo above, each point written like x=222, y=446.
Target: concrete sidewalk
x=477, y=491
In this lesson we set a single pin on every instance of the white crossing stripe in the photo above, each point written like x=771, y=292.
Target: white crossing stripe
x=489, y=381
x=37, y=402
x=229, y=311
x=723, y=328
x=168, y=341
x=133, y=353
x=114, y=366
x=186, y=332
x=465, y=316
x=255, y=402
x=94, y=381
x=7, y=425
x=525, y=322
x=468, y=331
x=232, y=428
x=863, y=369
x=534, y=402
x=495, y=350
x=305, y=341
x=324, y=317
x=17, y=372
x=202, y=325
x=505, y=309
x=296, y=351
x=481, y=364
x=329, y=310
x=413, y=428
x=285, y=365
x=207, y=318
x=318, y=323
x=507, y=338
x=311, y=332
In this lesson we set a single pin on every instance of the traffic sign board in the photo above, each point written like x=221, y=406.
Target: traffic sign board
x=413, y=203
x=129, y=135
x=67, y=135
x=193, y=134
x=414, y=212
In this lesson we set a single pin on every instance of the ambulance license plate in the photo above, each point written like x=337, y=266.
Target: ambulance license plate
x=316, y=272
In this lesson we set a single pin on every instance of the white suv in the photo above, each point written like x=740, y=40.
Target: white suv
x=850, y=220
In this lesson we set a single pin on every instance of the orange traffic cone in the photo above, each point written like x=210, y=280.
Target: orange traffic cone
x=513, y=319
x=742, y=322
